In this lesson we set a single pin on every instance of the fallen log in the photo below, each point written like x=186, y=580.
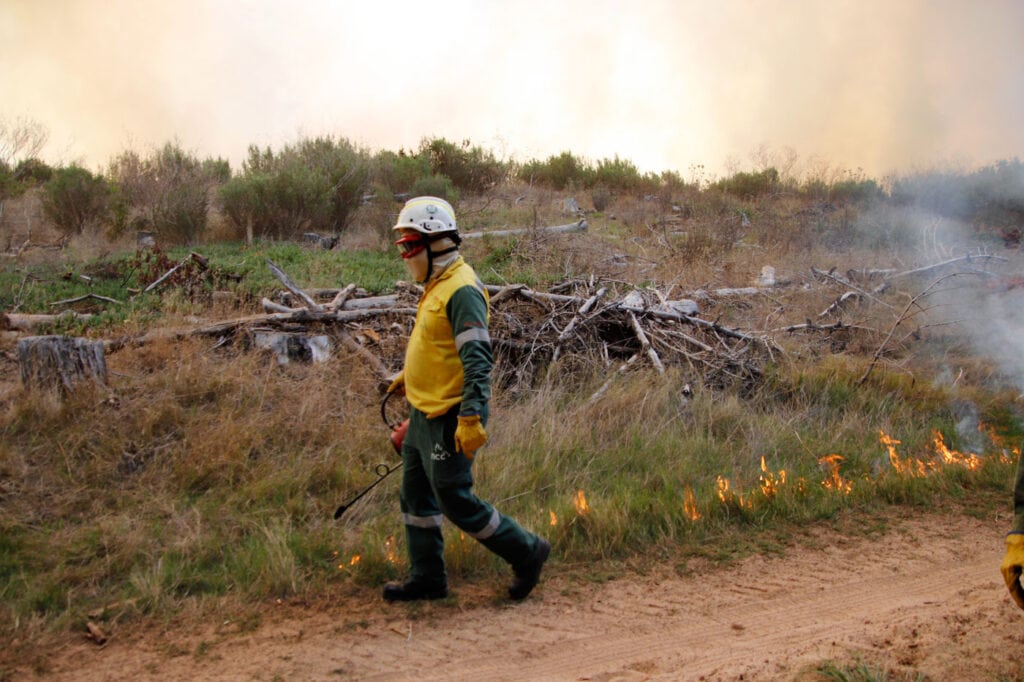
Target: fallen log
x=298, y=316
x=579, y=226
x=28, y=322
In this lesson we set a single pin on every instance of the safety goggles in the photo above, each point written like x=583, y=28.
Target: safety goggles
x=410, y=245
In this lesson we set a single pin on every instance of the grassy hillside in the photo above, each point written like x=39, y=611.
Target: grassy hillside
x=206, y=473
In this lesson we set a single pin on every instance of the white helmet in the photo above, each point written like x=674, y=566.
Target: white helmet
x=427, y=215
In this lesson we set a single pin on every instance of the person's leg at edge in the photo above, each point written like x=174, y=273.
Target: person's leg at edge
x=452, y=481
x=421, y=516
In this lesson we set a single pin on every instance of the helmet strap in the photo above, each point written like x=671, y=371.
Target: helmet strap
x=431, y=254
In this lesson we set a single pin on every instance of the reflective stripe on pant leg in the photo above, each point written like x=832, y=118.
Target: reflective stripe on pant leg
x=432, y=521
x=420, y=512
x=488, y=530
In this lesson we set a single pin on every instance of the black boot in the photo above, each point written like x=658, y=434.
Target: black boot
x=412, y=590
x=528, y=572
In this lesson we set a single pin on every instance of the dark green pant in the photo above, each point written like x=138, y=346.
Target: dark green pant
x=436, y=481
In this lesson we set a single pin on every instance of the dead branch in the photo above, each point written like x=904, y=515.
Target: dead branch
x=302, y=315
x=202, y=261
x=84, y=298
x=821, y=274
x=272, y=307
x=583, y=310
x=967, y=260
x=604, y=387
x=578, y=226
x=645, y=344
x=835, y=326
x=840, y=303
x=339, y=299
x=364, y=353
x=293, y=287
x=899, y=320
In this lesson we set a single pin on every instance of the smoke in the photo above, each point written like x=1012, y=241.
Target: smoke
x=868, y=84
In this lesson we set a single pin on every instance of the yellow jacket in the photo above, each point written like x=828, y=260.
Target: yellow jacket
x=448, y=360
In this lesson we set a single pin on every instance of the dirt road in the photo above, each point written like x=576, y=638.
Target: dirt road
x=926, y=597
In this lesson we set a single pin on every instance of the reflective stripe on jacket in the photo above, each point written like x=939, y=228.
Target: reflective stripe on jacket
x=448, y=360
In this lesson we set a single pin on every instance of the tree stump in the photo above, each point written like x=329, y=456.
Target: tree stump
x=60, y=361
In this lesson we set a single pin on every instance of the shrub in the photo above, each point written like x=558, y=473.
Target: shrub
x=74, y=199
x=436, y=186
x=750, y=185
x=314, y=185
x=32, y=171
x=622, y=175
x=399, y=172
x=470, y=168
x=167, y=193
x=558, y=172
x=855, y=191
x=601, y=197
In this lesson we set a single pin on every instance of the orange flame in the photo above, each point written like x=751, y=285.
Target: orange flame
x=352, y=562
x=970, y=461
x=690, y=505
x=835, y=481
x=910, y=467
x=554, y=519
x=722, y=485
x=580, y=502
x=728, y=497
x=1000, y=442
x=771, y=482
x=389, y=548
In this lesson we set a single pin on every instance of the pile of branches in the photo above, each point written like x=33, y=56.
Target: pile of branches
x=576, y=326
x=579, y=327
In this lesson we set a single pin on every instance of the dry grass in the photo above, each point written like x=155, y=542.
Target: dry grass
x=204, y=474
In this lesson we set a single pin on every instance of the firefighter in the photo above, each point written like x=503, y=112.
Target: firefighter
x=1013, y=562
x=446, y=379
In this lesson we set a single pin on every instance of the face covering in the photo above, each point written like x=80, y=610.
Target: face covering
x=423, y=260
x=418, y=266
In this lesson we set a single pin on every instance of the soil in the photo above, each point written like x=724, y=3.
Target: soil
x=922, y=600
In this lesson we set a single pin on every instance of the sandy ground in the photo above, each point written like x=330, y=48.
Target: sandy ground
x=926, y=598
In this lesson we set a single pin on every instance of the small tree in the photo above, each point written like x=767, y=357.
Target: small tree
x=32, y=171
x=74, y=199
x=314, y=185
x=21, y=139
x=167, y=192
x=399, y=172
x=469, y=167
x=558, y=172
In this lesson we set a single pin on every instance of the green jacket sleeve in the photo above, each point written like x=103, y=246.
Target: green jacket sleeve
x=467, y=314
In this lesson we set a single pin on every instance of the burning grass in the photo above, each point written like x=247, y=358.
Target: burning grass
x=204, y=474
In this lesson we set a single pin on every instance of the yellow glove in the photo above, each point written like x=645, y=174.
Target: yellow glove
x=398, y=382
x=470, y=435
x=1012, y=565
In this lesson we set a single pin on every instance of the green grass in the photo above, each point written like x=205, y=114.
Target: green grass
x=233, y=267
x=860, y=671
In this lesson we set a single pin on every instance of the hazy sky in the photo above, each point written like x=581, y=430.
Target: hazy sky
x=877, y=84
